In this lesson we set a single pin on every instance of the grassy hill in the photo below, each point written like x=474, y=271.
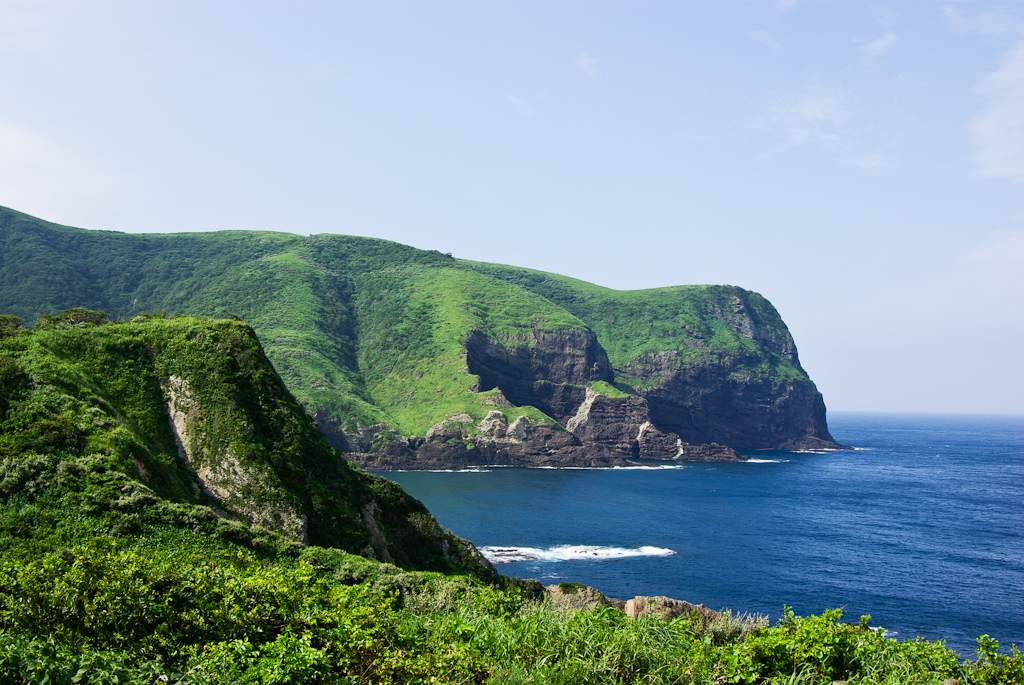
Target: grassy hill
x=368, y=332
x=169, y=513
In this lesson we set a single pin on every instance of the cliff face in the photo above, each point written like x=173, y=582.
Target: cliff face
x=716, y=364
x=718, y=402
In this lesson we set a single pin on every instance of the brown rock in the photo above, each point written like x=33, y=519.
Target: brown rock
x=576, y=596
x=665, y=607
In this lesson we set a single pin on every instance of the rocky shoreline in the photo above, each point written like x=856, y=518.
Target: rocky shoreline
x=459, y=443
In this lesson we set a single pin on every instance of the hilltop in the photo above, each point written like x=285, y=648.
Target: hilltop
x=411, y=358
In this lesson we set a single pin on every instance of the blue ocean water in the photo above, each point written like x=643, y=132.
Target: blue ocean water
x=922, y=526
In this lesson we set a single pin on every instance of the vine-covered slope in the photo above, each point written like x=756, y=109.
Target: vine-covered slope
x=181, y=419
x=387, y=345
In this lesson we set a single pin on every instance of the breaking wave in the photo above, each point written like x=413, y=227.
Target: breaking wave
x=504, y=555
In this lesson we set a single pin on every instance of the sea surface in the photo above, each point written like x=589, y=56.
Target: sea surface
x=921, y=526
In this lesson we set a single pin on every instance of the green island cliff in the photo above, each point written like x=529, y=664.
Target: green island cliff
x=409, y=358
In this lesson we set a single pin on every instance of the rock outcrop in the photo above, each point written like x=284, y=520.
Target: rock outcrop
x=665, y=607
x=604, y=432
x=579, y=597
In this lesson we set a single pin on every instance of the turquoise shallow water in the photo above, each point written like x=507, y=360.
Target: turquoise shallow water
x=922, y=526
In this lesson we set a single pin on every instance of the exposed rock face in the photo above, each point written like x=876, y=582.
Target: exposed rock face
x=608, y=432
x=615, y=423
x=724, y=403
x=530, y=371
x=579, y=597
x=682, y=410
x=248, y=491
x=452, y=445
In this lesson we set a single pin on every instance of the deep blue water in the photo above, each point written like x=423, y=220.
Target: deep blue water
x=922, y=526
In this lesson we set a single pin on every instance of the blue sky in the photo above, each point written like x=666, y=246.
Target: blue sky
x=859, y=164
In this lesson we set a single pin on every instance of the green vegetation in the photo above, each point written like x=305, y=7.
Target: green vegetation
x=367, y=331
x=413, y=321
x=607, y=389
x=168, y=605
x=84, y=425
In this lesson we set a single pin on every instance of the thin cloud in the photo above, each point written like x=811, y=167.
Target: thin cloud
x=765, y=38
x=879, y=46
x=37, y=26
x=521, y=106
x=876, y=47
x=783, y=6
x=998, y=130
x=585, y=62
x=820, y=117
x=992, y=22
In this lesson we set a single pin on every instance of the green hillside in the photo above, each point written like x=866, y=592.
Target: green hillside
x=367, y=332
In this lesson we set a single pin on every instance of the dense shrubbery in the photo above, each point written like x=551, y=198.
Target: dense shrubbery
x=173, y=606
x=84, y=427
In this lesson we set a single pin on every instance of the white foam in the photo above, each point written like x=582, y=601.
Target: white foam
x=473, y=470
x=504, y=555
x=767, y=461
x=656, y=467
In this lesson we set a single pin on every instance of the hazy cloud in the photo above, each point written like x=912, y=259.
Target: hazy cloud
x=998, y=130
x=586, y=63
x=995, y=21
x=819, y=115
x=960, y=317
x=37, y=26
x=37, y=176
x=876, y=47
x=822, y=117
x=765, y=38
x=783, y=6
x=520, y=106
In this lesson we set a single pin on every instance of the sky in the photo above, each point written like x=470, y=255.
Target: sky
x=859, y=164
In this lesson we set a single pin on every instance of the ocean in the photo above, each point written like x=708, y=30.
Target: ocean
x=921, y=526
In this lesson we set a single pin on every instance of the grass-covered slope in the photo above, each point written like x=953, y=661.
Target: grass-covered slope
x=348, y=322
x=163, y=419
